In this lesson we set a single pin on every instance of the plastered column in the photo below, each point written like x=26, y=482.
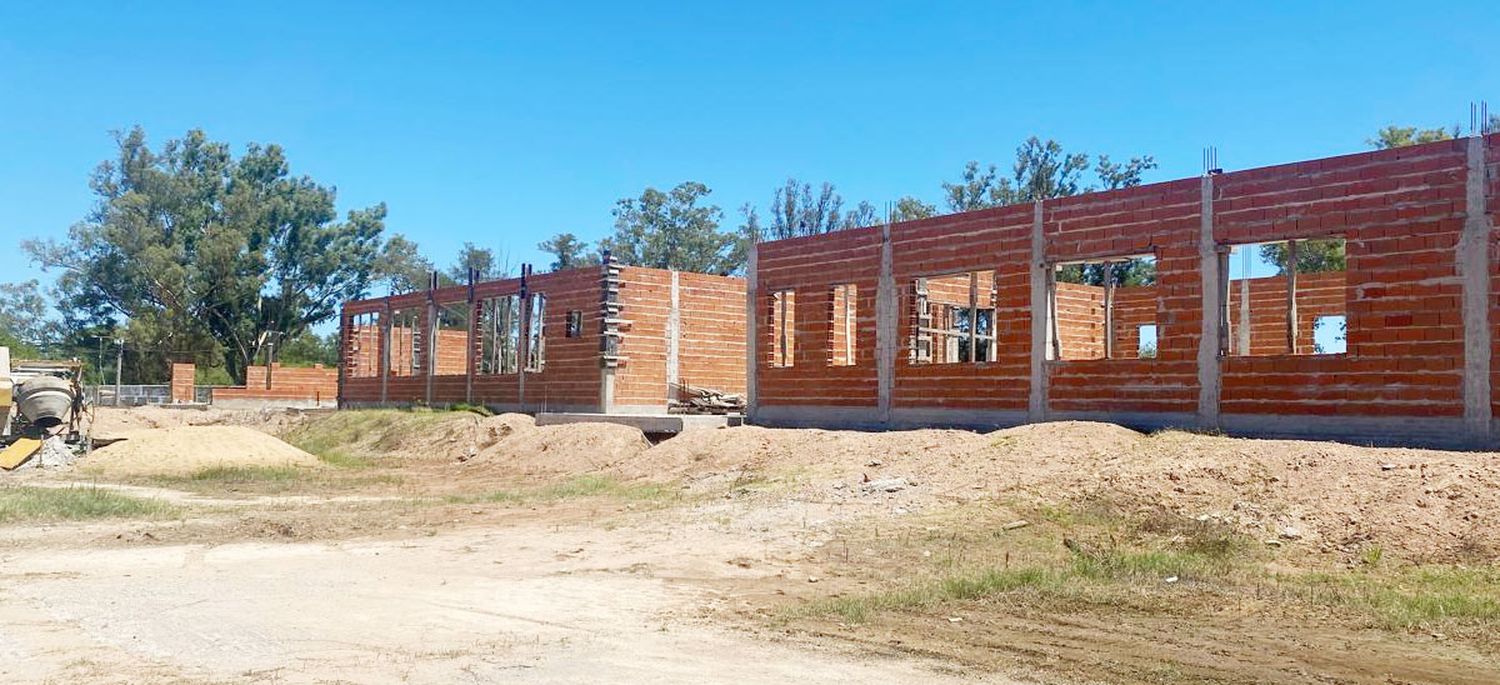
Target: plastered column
x=1213, y=309
x=1474, y=269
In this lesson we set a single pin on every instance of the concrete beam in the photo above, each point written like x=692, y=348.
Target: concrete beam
x=1474, y=268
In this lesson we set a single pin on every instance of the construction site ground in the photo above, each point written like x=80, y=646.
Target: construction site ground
x=448, y=547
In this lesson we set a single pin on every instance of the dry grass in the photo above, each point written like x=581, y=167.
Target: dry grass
x=22, y=504
x=1096, y=558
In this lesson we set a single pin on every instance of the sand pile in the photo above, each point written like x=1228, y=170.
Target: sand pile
x=109, y=423
x=514, y=443
x=185, y=450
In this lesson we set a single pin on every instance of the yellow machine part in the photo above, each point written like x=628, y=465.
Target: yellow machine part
x=18, y=451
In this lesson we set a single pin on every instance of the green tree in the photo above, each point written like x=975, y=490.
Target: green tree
x=1313, y=256
x=203, y=251
x=672, y=230
x=24, y=326
x=308, y=349
x=1041, y=171
x=400, y=266
x=481, y=259
x=1402, y=136
x=910, y=209
x=568, y=252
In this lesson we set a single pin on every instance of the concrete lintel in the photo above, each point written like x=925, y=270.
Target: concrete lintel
x=886, y=308
x=1209, y=372
x=1036, y=409
x=1474, y=269
x=647, y=423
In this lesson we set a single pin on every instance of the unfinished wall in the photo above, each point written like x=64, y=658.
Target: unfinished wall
x=701, y=342
x=810, y=267
x=1405, y=375
x=711, y=344
x=311, y=386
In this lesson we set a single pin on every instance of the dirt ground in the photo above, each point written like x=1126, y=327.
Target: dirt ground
x=449, y=547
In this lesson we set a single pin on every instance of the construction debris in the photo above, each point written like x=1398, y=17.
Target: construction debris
x=696, y=400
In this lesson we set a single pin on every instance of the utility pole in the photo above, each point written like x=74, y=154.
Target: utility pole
x=119, y=364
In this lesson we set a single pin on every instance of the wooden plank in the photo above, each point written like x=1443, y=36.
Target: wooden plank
x=18, y=452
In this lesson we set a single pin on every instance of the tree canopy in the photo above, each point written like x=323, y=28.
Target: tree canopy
x=1041, y=171
x=671, y=230
x=203, y=252
x=567, y=251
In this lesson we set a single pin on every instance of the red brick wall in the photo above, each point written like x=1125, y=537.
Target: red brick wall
x=711, y=350
x=287, y=383
x=810, y=267
x=1400, y=212
x=647, y=296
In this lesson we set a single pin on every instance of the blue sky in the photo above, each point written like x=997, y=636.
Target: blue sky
x=503, y=124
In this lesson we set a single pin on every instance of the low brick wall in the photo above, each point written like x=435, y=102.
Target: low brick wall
x=302, y=387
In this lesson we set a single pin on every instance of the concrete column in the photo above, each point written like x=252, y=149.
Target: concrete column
x=752, y=332
x=886, y=310
x=1041, y=324
x=385, y=352
x=1474, y=268
x=674, y=338
x=432, y=340
x=1209, y=375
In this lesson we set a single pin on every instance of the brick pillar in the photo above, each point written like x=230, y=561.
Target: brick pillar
x=182, y=383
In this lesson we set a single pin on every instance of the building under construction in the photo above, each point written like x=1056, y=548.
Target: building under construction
x=1351, y=297
x=604, y=339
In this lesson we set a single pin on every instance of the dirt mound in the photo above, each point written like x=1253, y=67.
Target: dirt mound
x=109, y=423
x=1419, y=504
x=516, y=444
x=185, y=450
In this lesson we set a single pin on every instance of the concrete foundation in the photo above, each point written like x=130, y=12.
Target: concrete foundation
x=647, y=423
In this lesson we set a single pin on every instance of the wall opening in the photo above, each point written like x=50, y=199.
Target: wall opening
x=450, y=343
x=783, y=323
x=406, y=342
x=574, y=326
x=1145, y=347
x=536, y=339
x=1286, y=297
x=499, y=334
x=363, y=360
x=953, y=318
x=1105, y=309
x=843, y=326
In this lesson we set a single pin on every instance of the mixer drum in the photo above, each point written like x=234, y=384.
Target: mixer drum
x=45, y=401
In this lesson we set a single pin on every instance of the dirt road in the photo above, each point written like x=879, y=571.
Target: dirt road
x=527, y=603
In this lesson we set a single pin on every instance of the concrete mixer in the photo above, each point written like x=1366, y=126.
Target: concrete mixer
x=39, y=400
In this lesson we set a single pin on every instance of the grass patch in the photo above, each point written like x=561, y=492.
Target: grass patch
x=349, y=439
x=269, y=479
x=1418, y=597
x=75, y=504
x=1093, y=556
x=246, y=474
x=575, y=488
